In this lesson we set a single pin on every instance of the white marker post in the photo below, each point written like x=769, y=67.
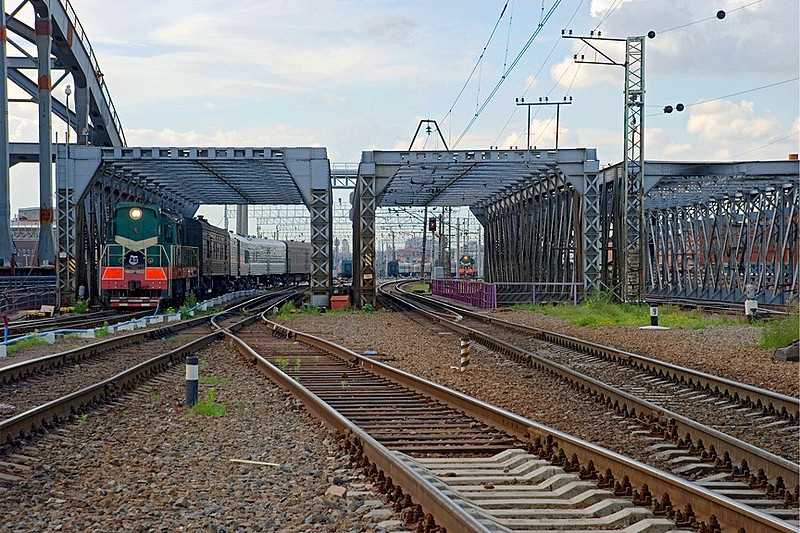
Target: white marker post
x=192, y=379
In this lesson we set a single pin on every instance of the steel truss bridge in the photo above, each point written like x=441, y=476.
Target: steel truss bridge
x=707, y=230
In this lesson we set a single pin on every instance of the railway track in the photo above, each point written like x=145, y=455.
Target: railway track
x=689, y=448
x=39, y=392
x=90, y=320
x=445, y=457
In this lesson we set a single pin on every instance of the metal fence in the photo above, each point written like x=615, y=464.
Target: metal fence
x=536, y=292
x=475, y=293
x=28, y=292
x=490, y=295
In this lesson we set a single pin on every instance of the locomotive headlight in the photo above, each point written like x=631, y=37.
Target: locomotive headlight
x=136, y=213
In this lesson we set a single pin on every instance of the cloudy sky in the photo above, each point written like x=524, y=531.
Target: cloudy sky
x=354, y=75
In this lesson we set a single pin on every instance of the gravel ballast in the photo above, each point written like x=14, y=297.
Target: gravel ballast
x=430, y=351
x=145, y=463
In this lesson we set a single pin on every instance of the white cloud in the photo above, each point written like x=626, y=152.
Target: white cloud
x=726, y=122
x=761, y=38
x=572, y=75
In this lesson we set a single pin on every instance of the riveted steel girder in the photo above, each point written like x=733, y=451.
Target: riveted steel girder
x=537, y=207
x=714, y=230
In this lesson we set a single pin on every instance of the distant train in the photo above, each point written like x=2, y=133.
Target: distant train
x=399, y=269
x=153, y=256
x=466, y=267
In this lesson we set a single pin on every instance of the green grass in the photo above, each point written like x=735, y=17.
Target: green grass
x=101, y=332
x=213, y=380
x=26, y=343
x=209, y=406
x=422, y=286
x=82, y=307
x=780, y=332
x=600, y=310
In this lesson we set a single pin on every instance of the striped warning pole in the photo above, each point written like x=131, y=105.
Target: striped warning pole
x=464, y=353
x=192, y=378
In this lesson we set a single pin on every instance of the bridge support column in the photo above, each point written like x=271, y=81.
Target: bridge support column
x=66, y=265
x=321, y=246
x=242, y=225
x=6, y=243
x=44, y=41
x=364, y=206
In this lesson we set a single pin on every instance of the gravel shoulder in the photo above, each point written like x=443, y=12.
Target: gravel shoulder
x=732, y=352
x=145, y=463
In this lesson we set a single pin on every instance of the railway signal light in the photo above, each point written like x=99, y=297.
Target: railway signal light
x=432, y=224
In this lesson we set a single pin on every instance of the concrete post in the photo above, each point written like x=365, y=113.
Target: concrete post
x=653, y=314
x=192, y=380
x=464, y=353
x=6, y=243
x=44, y=42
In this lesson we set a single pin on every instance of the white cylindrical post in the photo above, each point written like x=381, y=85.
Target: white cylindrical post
x=464, y=353
x=653, y=314
x=192, y=379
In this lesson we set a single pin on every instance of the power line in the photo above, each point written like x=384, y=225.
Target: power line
x=477, y=64
x=776, y=141
x=732, y=94
x=510, y=68
x=709, y=18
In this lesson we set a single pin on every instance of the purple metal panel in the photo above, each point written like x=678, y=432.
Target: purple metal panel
x=475, y=293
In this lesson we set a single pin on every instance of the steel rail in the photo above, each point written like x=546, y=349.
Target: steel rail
x=771, y=401
x=705, y=503
x=756, y=458
x=49, y=413
x=445, y=511
x=21, y=369
x=20, y=328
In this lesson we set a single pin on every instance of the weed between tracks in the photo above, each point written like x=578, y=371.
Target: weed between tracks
x=780, y=332
x=601, y=310
x=26, y=343
x=213, y=380
x=209, y=405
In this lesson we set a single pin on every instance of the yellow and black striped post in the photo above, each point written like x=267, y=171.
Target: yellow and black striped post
x=464, y=353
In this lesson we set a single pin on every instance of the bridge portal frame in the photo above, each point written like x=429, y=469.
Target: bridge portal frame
x=488, y=181
x=91, y=180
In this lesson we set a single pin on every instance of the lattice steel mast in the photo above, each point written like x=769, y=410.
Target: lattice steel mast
x=629, y=186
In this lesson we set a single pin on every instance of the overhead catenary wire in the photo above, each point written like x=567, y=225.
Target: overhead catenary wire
x=502, y=79
x=477, y=64
x=774, y=141
x=535, y=76
x=707, y=18
x=754, y=89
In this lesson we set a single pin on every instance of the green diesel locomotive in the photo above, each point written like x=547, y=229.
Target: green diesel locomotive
x=143, y=261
